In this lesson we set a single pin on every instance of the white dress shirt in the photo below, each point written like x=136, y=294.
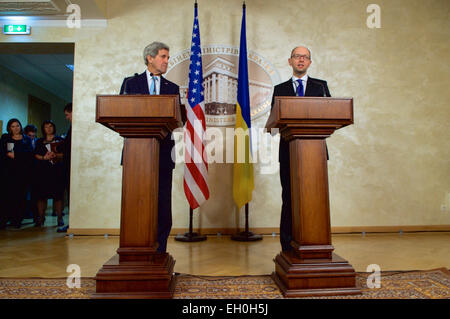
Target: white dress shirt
x=295, y=83
x=157, y=82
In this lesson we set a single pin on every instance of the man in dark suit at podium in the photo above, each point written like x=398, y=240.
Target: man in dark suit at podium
x=300, y=84
x=151, y=82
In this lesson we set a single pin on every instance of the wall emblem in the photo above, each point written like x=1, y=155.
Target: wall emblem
x=220, y=74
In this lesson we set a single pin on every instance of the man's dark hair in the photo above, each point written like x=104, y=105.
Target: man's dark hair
x=68, y=108
x=30, y=128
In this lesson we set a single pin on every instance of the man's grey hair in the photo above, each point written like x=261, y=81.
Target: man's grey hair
x=301, y=46
x=153, y=48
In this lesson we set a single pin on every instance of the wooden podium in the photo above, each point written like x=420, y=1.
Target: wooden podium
x=311, y=268
x=137, y=270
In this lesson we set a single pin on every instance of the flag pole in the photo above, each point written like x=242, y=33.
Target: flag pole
x=190, y=236
x=246, y=235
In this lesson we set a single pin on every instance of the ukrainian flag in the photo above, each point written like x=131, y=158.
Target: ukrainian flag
x=243, y=183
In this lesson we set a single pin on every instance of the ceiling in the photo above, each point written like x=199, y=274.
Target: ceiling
x=52, y=9
x=48, y=71
x=44, y=64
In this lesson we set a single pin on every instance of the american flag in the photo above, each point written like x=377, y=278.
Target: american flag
x=196, y=165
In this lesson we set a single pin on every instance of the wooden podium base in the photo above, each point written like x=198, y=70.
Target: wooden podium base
x=314, y=277
x=152, y=279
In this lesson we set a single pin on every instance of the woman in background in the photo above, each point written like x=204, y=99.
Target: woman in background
x=16, y=152
x=49, y=172
x=3, y=220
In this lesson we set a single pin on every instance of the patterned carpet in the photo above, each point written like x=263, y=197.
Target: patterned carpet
x=433, y=284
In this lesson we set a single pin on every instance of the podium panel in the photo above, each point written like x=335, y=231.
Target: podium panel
x=311, y=268
x=138, y=270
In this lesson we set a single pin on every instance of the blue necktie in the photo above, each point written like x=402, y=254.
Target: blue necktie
x=300, y=88
x=153, y=86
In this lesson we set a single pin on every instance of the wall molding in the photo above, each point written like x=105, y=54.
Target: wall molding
x=271, y=230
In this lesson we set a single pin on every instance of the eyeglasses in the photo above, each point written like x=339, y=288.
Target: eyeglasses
x=299, y=56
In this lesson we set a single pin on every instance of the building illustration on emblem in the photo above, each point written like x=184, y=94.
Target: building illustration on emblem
x=220, y=83
x=220, y=79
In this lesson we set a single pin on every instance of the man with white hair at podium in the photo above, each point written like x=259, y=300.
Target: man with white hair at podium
x=151, y=82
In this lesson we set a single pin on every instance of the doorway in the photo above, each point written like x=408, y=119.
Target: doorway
x=36, y=83
x=38, y=111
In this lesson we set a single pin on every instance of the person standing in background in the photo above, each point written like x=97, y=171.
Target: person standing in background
x=31, y=206
x=31, y=131
x=16, y=152
x=3, y=214
x=67, y=151
x=49, y=172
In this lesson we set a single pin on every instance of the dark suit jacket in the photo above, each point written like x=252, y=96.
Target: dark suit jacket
x=314, y=87
x=138, y=84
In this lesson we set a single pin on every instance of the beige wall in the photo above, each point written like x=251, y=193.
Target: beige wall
x=390, y=168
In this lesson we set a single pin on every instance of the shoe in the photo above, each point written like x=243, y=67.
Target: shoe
x=60, y=223
x=62, y=229
x=16, y=227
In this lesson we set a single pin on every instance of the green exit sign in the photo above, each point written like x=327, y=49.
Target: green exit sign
x=16, y=29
